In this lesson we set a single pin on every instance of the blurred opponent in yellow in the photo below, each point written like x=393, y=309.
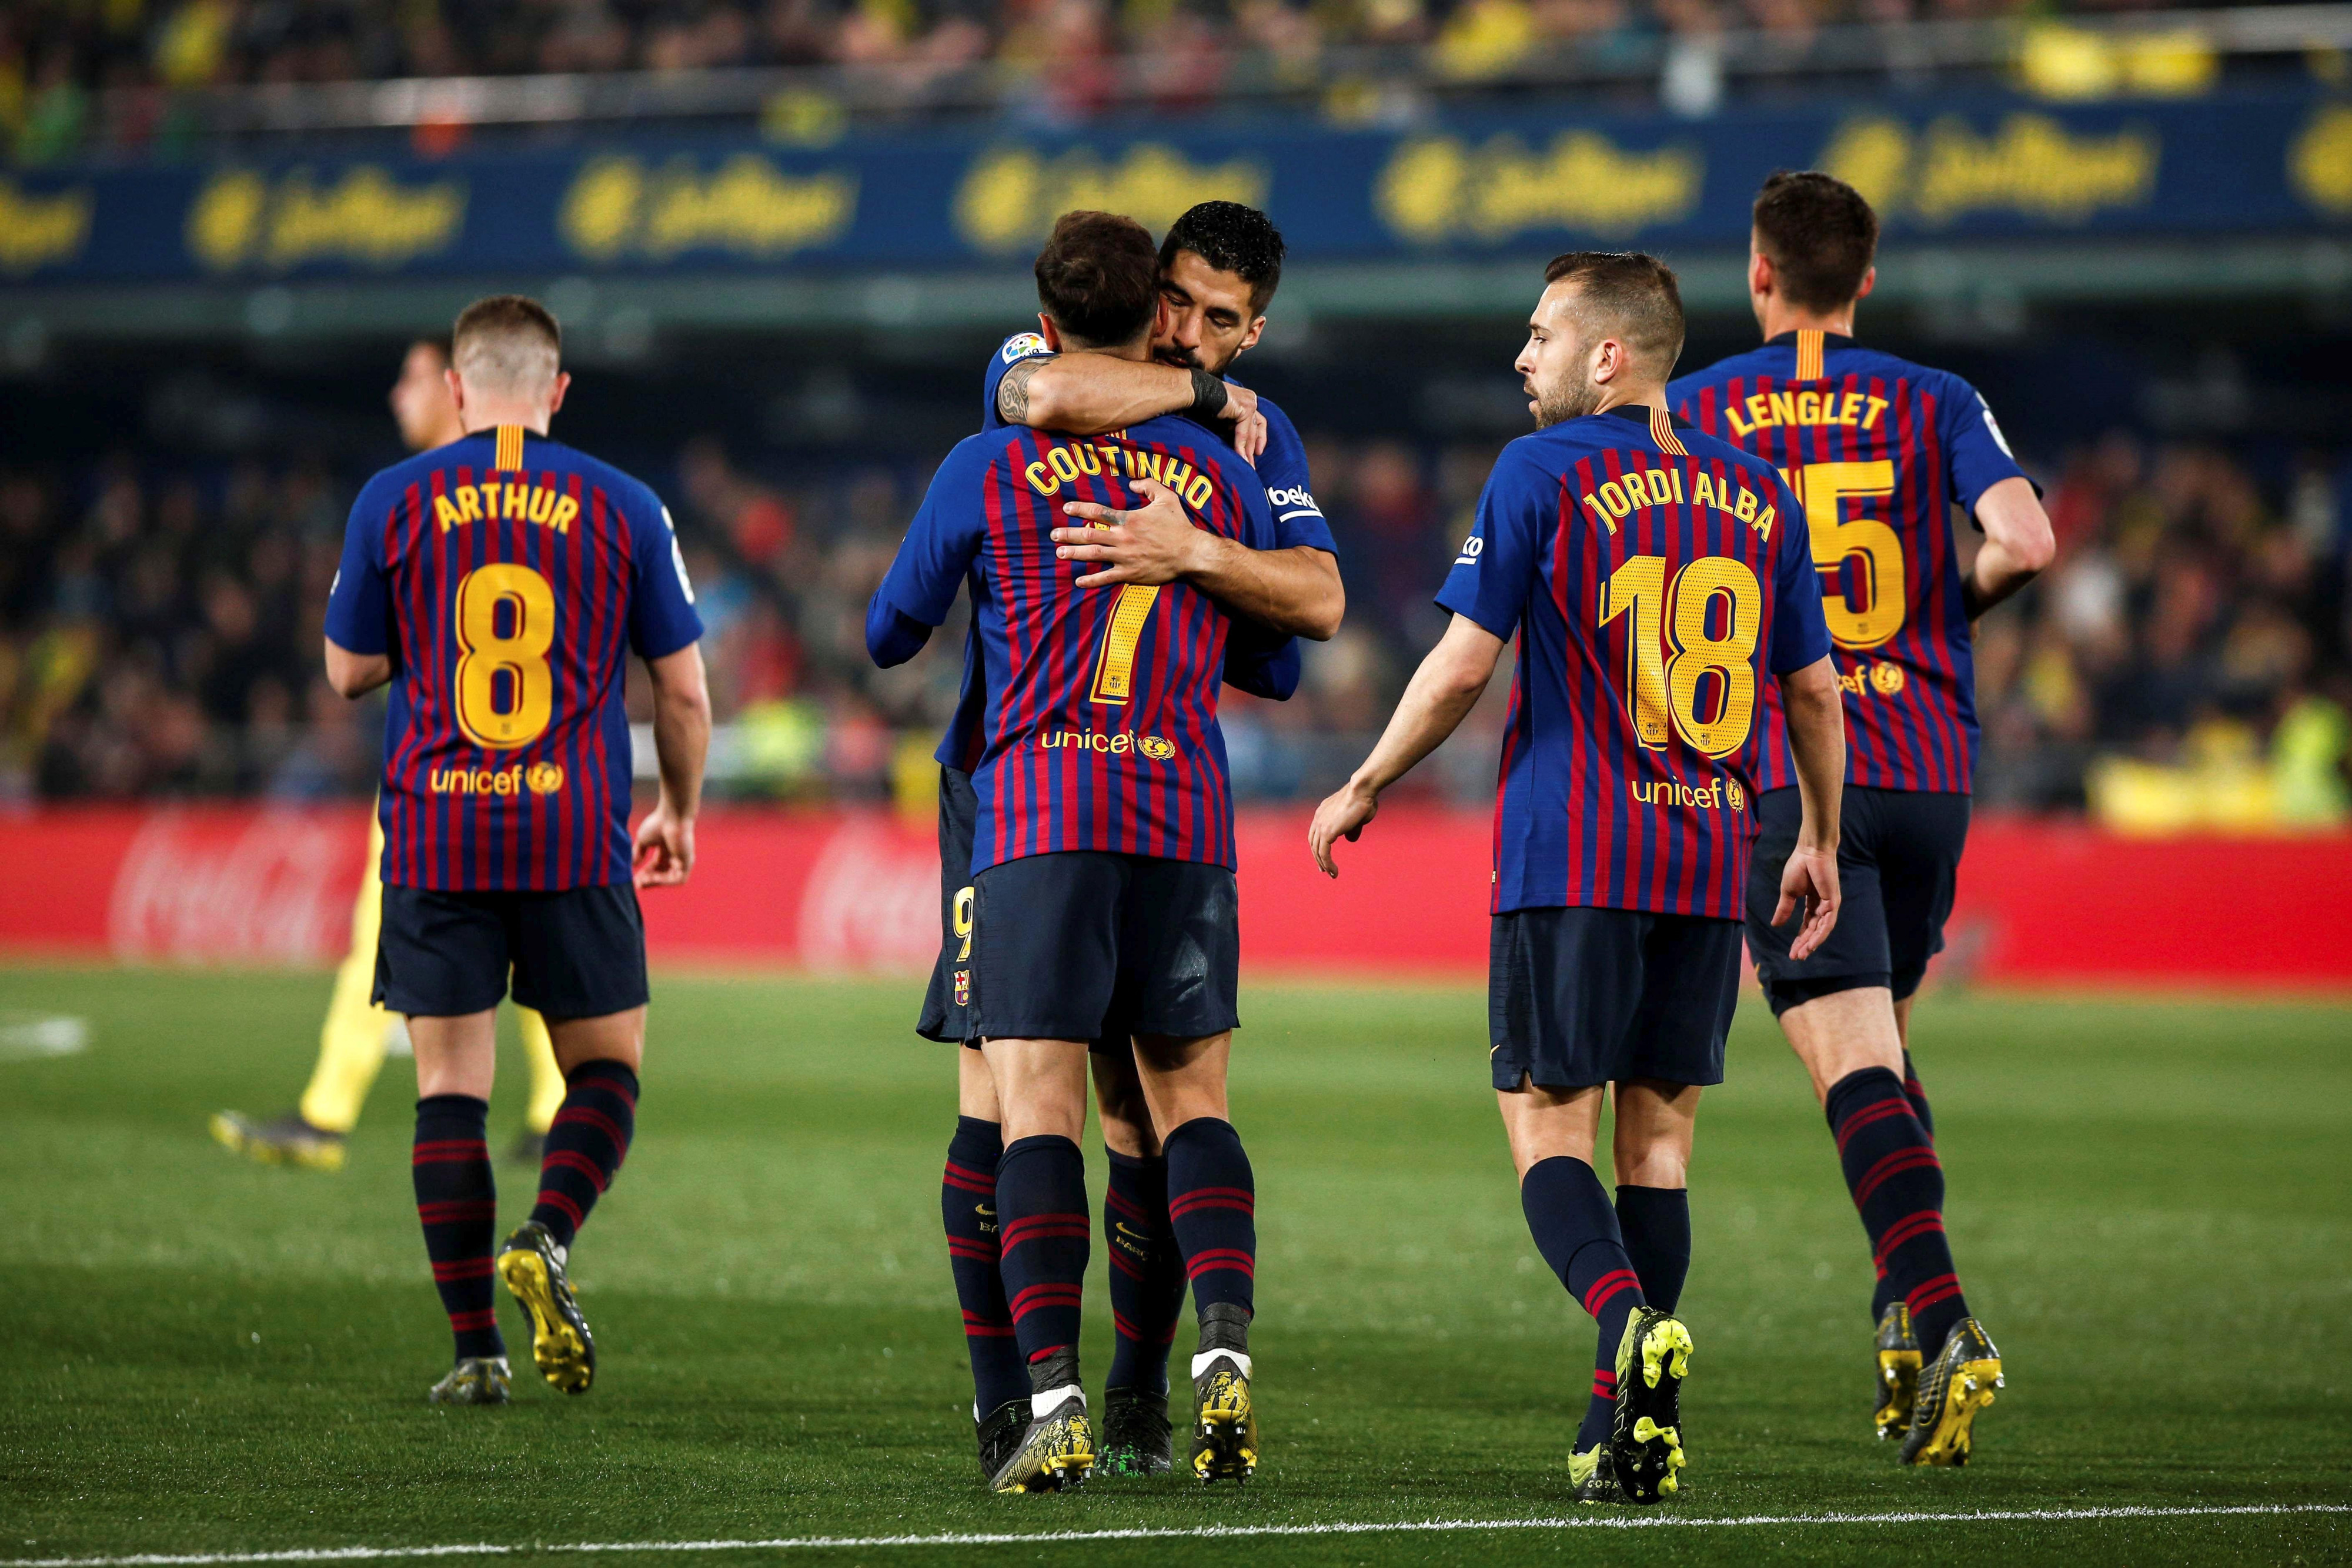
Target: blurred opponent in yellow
x=352, y=1042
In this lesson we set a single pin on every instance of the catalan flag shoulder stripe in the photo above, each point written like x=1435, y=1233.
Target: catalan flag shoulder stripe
x=508, y=459
x=1808, y=355
x=1661, y=431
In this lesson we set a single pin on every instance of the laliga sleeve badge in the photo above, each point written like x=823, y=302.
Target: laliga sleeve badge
x=1021, y=345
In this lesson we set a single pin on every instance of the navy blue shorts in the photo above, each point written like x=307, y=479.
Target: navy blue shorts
x=1899, y=865
x=1580, y=997
x=1088, y=945
x=578, y=952
x=947, y=1005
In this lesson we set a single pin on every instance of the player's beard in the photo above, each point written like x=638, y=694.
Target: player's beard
x=1558, y=404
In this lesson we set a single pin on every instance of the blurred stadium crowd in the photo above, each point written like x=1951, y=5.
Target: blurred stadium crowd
x=1063, y=57
x=2183, y=663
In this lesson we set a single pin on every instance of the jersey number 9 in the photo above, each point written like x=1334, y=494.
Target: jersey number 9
x=518, y=655
x=1664, y=691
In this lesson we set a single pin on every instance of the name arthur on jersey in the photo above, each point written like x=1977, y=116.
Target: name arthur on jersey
x=518, y=501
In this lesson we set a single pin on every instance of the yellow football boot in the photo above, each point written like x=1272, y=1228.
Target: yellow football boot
x=1646, y=1447
x=1898, y=1372
x=1953, y=1388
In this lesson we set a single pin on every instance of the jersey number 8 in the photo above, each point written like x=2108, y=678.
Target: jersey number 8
x=520, y=655
x=1664, y=692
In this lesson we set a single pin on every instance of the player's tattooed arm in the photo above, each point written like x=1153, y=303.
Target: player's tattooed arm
x=1013, y=391
x=1086, y=394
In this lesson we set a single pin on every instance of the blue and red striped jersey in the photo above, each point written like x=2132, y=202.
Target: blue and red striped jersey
x=1099, y=719
x=1657, y=581
x=507, y=575
x=1260, y=662
x=1878, y=449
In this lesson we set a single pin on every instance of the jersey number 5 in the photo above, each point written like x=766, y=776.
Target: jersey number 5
x=1664, y=692
x=1824, y=489
x=518, y=655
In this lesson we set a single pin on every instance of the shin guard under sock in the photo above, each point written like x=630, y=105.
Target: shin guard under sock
x=457, y=1201
x=1575, y=1228
x=1041, y=1209
x=1898, y=1190
x=1146, y=1272
x=586, y=1145
x=1883, y=1294
x=967, y=1206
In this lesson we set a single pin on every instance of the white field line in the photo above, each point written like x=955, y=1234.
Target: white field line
x=1198, y=1533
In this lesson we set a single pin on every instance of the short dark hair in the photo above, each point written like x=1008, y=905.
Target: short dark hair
x=1633, y=293
x=506, y=340
x=1099, y=279
x=1231, y=238
x=1820, y=234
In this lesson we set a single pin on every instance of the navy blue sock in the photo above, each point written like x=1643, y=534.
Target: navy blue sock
x=1898, y=1190
x=585, y=1146
x=458, y=1202
x=968, y=1205
x=1146, y=1272
x=1041, y=1207
x=1575, y=1228
x=1212, y=1208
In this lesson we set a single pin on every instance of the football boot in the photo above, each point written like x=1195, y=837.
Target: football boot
x=1646, y=1444
x=1056, y=1453
x=476, y=1380
x=998, y=1434
x=1898, y=1372
x=287, y=1140
x=1592, y=1477
x=1137, y=1438
x=531, y=1264
x=1952, y=1388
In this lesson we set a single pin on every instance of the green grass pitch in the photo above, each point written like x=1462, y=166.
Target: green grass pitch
x=2149, y=1208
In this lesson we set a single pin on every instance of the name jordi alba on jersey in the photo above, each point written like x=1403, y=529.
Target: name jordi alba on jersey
x=1651, y=576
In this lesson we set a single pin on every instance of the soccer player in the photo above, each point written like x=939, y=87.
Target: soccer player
x=498, y=584
x=352, y=1041
x=1220, y=265
x=1655, y=578
x=1102, y=852
x=1879, y=449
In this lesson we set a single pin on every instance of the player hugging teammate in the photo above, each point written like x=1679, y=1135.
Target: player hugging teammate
x=1100, y=909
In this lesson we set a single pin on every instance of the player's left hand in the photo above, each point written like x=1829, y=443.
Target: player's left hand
x=1152, y=543
x=664, y=848
x=1808, y=883
x=1344, y=814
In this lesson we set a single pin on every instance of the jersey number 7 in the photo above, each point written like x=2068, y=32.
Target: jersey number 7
x=1663, y=693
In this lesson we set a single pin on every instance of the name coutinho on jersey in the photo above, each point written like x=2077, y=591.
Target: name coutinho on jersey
x=515, y=502
x=1855, y=410
x=1062, y=466
x=1623, y=496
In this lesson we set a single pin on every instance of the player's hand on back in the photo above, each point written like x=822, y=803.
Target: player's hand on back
x=664, y=848
x=1342, y=815
x=1241, y=411
x=1152, y=543
x=1809, y=883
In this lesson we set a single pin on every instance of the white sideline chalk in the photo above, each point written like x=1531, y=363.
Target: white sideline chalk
x=1205, y=1532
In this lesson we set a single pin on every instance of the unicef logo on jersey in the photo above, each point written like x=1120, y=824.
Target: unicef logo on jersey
x=1156, y=748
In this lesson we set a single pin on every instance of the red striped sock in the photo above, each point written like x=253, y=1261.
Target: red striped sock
x=1897, y=1185
x=1575, y=1227
x=585, y=1146
x=1213, y=1210
x=1043, y=1237
x=967, y=1206
x=457, y=1203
